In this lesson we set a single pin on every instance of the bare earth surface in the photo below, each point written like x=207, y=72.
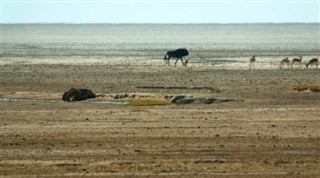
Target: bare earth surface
x=272, y=131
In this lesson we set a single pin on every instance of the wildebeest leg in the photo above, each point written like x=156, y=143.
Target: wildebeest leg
x=176, y=62
x=168, y=60
x=181, y=61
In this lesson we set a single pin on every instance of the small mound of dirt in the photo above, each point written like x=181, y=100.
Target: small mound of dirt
x=77, y=95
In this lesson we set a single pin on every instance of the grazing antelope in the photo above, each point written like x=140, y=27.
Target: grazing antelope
x=283, y=62
x=313, y=61
x=296, y=61
x=251, y=62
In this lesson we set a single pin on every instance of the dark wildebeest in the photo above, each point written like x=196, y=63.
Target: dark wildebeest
x=179, y=53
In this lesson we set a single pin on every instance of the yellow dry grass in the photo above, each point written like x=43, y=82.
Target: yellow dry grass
x=148, y=102
x=314, y=88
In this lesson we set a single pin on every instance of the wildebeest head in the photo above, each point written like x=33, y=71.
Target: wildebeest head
x=186, y=52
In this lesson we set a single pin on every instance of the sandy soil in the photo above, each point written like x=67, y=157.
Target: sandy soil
x=273, y=132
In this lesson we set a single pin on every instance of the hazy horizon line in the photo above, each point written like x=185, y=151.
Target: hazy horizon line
x=152, y=23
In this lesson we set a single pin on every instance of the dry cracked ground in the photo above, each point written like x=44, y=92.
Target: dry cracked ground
x=272, y=131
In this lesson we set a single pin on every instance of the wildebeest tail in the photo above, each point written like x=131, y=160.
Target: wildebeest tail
x=165, y=57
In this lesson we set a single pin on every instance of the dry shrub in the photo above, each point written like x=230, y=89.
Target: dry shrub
x=148, y=102
x=314, y=88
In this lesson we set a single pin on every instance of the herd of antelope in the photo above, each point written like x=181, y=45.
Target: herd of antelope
x=286, y=62
x=182, y=52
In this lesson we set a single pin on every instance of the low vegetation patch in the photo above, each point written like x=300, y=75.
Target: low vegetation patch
x=314, y=88
x=148, y=102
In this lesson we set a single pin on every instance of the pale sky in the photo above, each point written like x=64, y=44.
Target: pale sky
x=159, y=11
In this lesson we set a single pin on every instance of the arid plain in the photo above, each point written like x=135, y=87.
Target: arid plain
x=270, y=131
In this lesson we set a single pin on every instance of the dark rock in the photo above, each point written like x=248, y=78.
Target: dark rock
x=176, y=98
x=116, y=97
x=224, y=100
x=181, y=99
x=78, y=95
x=184, y=101
x=209, y=100
x=120, y=96
x=168, y=97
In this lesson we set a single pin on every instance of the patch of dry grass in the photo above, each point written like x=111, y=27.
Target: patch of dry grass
x=148, y=102
x=314, y=88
